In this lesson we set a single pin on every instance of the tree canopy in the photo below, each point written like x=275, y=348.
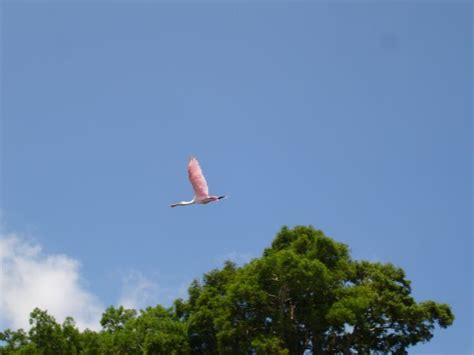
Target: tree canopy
x=304, y=294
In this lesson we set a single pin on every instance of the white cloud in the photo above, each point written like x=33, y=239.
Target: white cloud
x=29, y=279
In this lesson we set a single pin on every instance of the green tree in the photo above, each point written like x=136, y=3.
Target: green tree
x=119, y=335
x=91, y=343
x=15, y=342
x=115, y=319
x=304, y=294
x=162, y=332
x=155, y=330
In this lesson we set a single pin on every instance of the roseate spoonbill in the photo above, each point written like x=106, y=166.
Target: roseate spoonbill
x=201, y=191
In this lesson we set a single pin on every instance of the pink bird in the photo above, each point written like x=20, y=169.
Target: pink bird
x=201, y=191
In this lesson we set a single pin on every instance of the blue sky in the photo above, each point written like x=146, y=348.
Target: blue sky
x=353, y=117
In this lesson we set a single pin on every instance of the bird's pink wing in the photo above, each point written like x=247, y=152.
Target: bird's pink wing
x=197, y=179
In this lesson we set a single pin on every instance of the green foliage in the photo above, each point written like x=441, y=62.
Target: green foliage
x=115, y=319
x=304, y=293
x=14, y=342
x=268, y=346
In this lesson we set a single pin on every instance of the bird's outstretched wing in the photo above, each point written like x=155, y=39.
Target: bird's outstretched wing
x=197, y=179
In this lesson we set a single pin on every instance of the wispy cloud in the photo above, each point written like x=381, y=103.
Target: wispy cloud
x=138, y=291
x=29, y=278
x=236, y=257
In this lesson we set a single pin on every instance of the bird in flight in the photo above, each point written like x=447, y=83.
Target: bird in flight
x=201, y=191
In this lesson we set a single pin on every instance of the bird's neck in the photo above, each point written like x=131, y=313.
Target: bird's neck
x=186, y=203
